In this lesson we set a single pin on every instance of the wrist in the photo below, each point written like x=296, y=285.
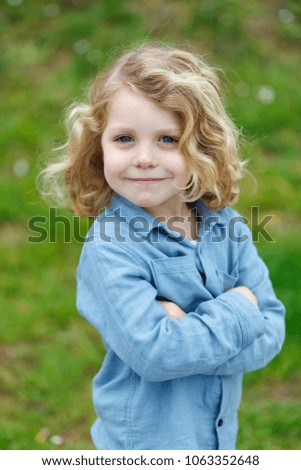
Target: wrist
x=246, y=292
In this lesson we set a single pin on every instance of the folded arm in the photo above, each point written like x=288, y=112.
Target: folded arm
x=116, y=296
x=174, y=311
x=254, y=274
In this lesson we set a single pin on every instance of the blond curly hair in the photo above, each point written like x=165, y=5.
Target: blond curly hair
x=176, y=80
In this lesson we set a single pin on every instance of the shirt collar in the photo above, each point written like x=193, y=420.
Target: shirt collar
x=148, y=223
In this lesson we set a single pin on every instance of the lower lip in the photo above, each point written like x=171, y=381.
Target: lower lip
x=146, y=181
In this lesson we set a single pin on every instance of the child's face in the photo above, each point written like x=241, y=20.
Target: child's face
x=142, y=161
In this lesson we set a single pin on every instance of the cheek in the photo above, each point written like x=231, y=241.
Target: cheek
x=181, y=169
x=112, y=162
x=188, y=172
x=109, y=166
x=111, y=173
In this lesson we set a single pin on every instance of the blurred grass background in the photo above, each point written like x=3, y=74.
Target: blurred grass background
x=50, y=51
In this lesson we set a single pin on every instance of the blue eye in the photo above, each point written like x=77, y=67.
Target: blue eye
x=166, y=139
x=124, y=139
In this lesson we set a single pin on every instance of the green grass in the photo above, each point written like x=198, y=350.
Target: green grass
x=49, y=54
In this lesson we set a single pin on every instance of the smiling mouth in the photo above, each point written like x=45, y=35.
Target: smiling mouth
x=146, y=180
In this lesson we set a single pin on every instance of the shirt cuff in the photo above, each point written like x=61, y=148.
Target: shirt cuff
x=251, y=320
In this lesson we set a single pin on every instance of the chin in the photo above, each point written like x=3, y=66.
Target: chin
x=144, y=200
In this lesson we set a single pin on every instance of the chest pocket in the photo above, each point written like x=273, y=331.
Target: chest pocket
x=178, y=280
x=227, y=281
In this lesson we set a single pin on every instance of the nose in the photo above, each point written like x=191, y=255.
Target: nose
x=145, y=158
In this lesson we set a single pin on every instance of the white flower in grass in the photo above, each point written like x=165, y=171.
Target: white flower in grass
x=51, y=10
x=56, y=440
x=265, y=94
x=14, y=3
x=285, y=16
x=82, y=46
x=21, y=168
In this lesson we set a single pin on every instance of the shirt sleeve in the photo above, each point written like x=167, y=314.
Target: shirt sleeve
x=254, y=274
x=115, y=294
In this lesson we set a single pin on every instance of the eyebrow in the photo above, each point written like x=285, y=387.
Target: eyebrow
x=127, y=130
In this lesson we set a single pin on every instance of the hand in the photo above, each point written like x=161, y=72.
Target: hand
x=172, y=309
x=247, y=293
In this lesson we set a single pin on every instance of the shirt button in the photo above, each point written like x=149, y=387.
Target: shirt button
x=220, y=423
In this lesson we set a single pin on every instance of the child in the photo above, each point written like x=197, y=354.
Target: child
x=168, y=274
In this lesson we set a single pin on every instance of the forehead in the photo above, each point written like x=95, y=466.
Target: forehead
x=130, y=107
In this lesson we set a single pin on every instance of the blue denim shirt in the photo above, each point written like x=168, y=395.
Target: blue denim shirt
x=167, y=383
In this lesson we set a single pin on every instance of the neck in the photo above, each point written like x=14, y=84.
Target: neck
x=183, y=220
x=178, y=209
